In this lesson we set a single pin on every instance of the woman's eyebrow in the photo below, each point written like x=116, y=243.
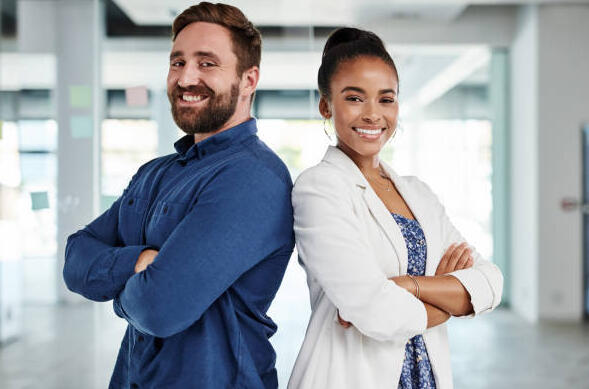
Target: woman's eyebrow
x=353, y=88
x=384, y=91
x=360, y=90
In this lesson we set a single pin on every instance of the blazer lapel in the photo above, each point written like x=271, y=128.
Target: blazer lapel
x=375, y=205
x=420, y=210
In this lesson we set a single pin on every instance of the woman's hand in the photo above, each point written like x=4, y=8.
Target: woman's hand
x=457, y=257
x=342, y=322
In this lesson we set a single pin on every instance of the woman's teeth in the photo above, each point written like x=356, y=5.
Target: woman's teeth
x=193, y=98
x=368, y=132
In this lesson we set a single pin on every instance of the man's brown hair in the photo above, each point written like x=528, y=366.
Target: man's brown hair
x=246, y=39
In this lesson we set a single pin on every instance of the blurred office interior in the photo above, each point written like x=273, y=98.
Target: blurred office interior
x=494, y=117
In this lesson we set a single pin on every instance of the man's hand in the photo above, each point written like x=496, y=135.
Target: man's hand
x=145, y=259
x=457, y=257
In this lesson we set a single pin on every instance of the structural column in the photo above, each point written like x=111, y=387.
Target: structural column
x=79, y=32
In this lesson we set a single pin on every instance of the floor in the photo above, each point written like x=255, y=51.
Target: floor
x=74, y=346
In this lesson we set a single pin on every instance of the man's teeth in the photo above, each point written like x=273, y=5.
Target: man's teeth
x=369, y=132
x=193, y=98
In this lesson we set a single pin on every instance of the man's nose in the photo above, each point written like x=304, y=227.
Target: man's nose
x=190, y=76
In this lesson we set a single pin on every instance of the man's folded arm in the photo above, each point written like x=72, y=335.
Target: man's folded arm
x=243, y=216
x=97, y=265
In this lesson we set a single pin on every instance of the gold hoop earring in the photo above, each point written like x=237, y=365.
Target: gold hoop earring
x=325, y=130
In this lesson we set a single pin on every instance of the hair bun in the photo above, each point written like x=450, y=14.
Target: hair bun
x=347, y=35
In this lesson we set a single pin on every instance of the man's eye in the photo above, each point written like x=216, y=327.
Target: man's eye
x=207, y=64
x=177, y=64
x=388, y=100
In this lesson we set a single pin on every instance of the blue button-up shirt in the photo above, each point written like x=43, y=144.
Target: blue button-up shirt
x=220, y=215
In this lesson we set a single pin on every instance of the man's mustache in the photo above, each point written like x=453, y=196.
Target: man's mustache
x=200, y=89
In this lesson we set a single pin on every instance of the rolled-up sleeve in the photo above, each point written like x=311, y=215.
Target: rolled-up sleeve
x=333, y=252
x=484, y=280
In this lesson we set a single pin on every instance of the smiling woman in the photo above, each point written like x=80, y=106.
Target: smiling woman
x=385, y=266
x=364, y=113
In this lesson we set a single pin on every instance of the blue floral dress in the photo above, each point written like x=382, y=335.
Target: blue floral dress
x=417, y=370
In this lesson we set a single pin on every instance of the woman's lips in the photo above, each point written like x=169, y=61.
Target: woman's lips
x=369, y=133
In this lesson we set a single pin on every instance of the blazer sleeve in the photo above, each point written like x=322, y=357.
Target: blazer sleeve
x=484, y=280
x=333, y=251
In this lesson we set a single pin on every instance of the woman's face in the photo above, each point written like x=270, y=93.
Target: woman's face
x=363, y=105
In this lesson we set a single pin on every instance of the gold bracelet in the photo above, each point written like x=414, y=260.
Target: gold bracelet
x=416, y=285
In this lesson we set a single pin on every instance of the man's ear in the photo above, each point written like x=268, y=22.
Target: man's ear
x=249, y=81
x=324, y=109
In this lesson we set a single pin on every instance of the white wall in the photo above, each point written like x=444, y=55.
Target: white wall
x=524, y=172
x=549, y=62
x=563, y=106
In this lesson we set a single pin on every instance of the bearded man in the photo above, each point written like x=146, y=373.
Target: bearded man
x=195, y=249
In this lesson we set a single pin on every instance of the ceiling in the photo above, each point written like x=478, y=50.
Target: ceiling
x=428, y=70
x=318, y=13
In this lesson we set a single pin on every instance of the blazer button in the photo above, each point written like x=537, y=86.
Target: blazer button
x=140, y=338
x=134, y=385
x=131, y=202
x=165, y=209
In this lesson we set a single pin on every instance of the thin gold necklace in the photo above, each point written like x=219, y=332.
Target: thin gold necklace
x=387, y=187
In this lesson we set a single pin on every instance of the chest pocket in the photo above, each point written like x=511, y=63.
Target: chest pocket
x=131, y=214
x=165, y=218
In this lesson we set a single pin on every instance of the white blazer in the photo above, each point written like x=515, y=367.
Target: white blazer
x=349, y=245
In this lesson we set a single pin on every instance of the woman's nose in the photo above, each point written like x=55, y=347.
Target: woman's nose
x=371, y=114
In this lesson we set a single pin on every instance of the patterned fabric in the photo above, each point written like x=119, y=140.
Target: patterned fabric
x=417, y=371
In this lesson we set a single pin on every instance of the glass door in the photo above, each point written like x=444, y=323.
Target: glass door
x=585, y=209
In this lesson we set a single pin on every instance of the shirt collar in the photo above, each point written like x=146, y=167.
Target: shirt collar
x=186, y=147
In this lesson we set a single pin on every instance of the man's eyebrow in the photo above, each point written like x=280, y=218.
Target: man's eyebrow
x=209, y=54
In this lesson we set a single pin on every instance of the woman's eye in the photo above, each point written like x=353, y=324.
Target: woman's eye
x=353, y=98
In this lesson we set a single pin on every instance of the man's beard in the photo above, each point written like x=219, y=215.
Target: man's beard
x=209, y=118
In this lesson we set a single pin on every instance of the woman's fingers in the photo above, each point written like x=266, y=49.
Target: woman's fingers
x=456, y=255
x=463, y=260
x=443, y=265
x=469, y=263
x=342, y=322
